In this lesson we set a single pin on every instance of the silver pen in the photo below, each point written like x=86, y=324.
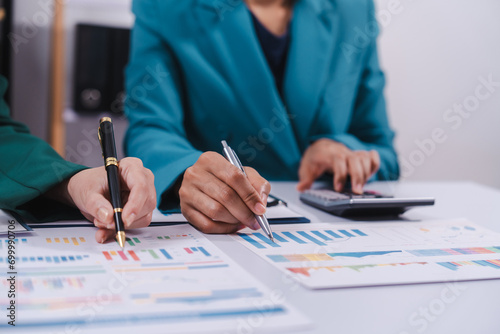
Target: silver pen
x=231, y=156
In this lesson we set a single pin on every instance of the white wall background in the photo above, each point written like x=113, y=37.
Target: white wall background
x=434, y=53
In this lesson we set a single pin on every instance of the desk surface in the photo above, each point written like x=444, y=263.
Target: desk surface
x=455, y=307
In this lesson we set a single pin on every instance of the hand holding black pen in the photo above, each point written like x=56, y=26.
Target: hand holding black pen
x=107, y=140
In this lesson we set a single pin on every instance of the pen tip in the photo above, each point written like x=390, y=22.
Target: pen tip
x=120, y=238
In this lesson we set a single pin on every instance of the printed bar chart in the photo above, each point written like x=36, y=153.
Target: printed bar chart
x=331, y=255
x=76, y=241
x=58, y=283
x=325, y=256
x=16, y=241
x=307, y=271
x=49, y=259
x=194, y=296
x=133, y=241
x=455, y=251
x=317, y=237
x=483, y=263
x=169, y=279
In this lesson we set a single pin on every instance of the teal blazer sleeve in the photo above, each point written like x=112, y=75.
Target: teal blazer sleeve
x=369, y=127
x=154, y=105
x=197, y=75
x=29, y=167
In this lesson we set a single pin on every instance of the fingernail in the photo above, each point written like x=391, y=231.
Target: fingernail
x=102, y=214
x=103, y=240
x=260, y=209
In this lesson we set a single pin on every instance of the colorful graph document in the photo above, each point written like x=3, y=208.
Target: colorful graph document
x=330, y=255
x=166, y=280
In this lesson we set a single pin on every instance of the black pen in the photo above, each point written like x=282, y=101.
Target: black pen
x=107, y=140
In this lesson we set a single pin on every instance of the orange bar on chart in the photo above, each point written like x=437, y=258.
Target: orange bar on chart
x=107, y=256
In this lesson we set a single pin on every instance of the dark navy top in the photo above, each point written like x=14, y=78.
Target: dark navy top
x=275, y=50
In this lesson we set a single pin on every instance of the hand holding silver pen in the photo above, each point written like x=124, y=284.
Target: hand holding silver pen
x=235, y=161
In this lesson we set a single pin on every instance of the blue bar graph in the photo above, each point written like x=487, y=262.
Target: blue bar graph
x=165, y=253
x=311, y=238
x=279, y=237
x=358, y=232
x=265, y=239
x=249, y=239
x=448, y=265
x=321, y=235
x=294, y=238
x=333, y=234
x=347, y=234
x=204, y=251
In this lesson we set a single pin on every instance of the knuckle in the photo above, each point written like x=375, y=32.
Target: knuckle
x=234, y=175
x=149, y=174
x=226, y=195
x=205, y=226
x=133, y=161
x=215, y=210
x=183, y=193
x=92, y=203
x=251, y=197
x=207, y=157
x=189, y=173
x=151, y=203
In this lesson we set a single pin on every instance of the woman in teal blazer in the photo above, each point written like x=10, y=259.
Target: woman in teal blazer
x=197, y=74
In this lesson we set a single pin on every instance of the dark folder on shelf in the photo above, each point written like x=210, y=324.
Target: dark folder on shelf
x=101, y=54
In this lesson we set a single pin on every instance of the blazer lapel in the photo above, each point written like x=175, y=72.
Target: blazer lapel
x=314, y=33
x=244, y=60
x=229, y=24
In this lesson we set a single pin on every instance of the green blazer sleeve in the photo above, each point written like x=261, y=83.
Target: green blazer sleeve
x=29, y=167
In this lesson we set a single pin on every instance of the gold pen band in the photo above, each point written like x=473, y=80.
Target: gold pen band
x=111, y=161
x=105, y=119
x=117, y=209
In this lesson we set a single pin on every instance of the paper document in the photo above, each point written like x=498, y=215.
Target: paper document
x=332, y=255
x=10, y=223
x=274, y=212
x=166, y=280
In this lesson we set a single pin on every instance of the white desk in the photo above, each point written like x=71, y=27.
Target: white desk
x=462, y=307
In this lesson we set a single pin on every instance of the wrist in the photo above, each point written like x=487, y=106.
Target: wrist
x=61, y=193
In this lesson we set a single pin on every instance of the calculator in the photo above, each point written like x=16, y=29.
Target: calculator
x=368, y=204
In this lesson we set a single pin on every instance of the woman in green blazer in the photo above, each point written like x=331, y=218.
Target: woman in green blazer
x=295, y=88
x=36, y=183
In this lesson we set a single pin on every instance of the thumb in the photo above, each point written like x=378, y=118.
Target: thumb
x=102, y=235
